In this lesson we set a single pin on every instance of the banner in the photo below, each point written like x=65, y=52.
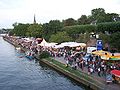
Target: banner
x=99, y=45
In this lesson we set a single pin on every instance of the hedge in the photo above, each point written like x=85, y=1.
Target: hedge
x=101, y=27
x=78, y=29
x=111, y=27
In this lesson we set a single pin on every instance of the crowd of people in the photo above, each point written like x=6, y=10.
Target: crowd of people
x=73, y=58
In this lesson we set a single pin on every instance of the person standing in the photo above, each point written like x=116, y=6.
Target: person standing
x=99, y=70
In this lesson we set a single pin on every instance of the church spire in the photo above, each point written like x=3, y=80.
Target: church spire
x=34, y=19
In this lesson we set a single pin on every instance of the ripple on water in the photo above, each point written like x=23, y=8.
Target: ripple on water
x=24, y=74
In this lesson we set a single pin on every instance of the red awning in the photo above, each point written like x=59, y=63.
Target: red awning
x=116, y=73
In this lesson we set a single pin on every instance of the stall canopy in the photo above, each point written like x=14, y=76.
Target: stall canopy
x=116, y=73
x=27, y=39
x=69, y=44
x=73, y=44
x=103, y=54
x=114, y=58
x=46, y=44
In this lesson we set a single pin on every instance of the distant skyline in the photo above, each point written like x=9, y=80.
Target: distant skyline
x=22, y=11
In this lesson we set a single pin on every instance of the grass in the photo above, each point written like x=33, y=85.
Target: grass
x=75, y=72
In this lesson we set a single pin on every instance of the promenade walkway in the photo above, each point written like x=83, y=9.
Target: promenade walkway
x=101, y=79
x=94, y=75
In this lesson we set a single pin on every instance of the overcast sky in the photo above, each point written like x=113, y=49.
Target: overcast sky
x=22, y=11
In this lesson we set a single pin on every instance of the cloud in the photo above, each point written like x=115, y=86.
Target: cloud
x=23, y=10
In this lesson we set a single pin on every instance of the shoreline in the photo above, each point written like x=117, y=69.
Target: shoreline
x=94, y=84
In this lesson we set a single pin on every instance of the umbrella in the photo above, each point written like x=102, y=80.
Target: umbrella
x=104, y=54
x=115, y=58
x=116, y=73
x=100, y=52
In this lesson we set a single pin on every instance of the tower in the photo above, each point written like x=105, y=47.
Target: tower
x=34, y=19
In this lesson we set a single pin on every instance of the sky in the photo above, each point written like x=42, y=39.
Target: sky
x=22, y=11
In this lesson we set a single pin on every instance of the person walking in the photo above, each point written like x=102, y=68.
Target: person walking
x=99, y=70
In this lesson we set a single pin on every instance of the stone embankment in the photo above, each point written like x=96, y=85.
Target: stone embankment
x=76, y=75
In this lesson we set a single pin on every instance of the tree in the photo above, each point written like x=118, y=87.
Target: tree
x=52, y=27
x=115, y=40
x=34, y=30
x=55, y=26
x=105, y=38
x=83, y=20
x=112, y=17
x=60, y=37
x=46, y=31
x=69, y=22
x=20, y=29
x=15, y=24
x=110, y=27
x=98, y=15
x=83, y=37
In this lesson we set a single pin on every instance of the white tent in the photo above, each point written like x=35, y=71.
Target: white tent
x=46, y=44
x=70, y=44
x=51, y=44
x=73, y=44
x=58, y=46
x=43, y=43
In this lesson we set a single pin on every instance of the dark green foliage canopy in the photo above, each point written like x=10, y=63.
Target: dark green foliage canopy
x=111, y=27
x=20, y=29
x=69, y=22
x=44, y=54
x=34, y=30
x=100, y=22
x=60, y=37
x=52, y=27
x=83, y=20
x=73, y=31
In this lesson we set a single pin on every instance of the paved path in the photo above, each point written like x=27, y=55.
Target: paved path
x=110, y=86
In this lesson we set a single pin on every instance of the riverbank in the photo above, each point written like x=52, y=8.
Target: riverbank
x=77, y=75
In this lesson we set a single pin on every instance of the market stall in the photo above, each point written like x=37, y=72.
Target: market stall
x=116, y=74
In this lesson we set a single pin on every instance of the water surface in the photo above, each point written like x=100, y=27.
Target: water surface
x=23, y=74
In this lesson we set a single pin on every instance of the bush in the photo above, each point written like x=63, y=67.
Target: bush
x=111, y=27
x=44, y=54
x=74, y=31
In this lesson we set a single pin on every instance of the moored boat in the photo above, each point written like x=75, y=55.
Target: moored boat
x=29, y=55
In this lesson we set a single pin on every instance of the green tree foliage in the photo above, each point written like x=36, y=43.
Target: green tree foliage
x=83, y=37
x=83, y=20
x=75, y=31
x=69, y=22
x=105, y=38
x=44, y=54
x=98, y=15
x=60, y=37
x=55, y=26
x=46, y=31
x=52, y=27
x=20, y=29
x=34, y=30
x=110, y=27
x=115, y=40
x=112, y=17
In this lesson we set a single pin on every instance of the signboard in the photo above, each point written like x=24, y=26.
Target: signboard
x=99, y=45
x=90, y=49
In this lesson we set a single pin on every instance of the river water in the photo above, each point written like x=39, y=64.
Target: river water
x=23, y=74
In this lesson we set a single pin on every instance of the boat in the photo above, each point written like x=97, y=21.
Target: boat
x=29, y=55
x=18, y=48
